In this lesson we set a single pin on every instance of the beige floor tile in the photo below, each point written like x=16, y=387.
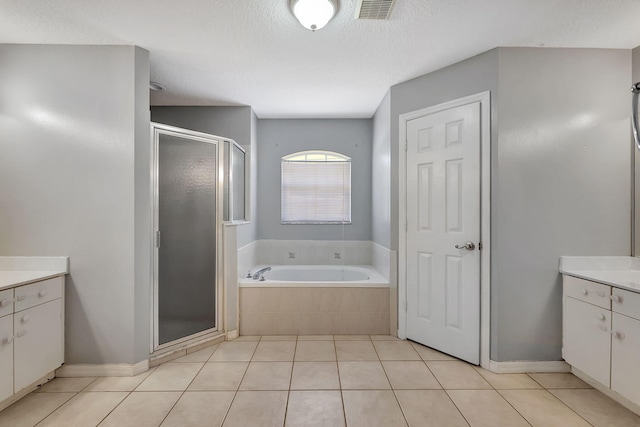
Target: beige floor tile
x=274, y=351
x=197, y=356
x=395, y=350
x=352, y=338
x=142, y=409
x=257, y=408
x=355, y=350
x=384, y=338
x=362, y=375
x=315, y=337
x=542, y=409
x=201, y=408
x=279, y=338
x=66, y=385
x=429, y=408
x=267, y=376
x=314, y=408
x=315, y=351
x=457, y=375
x=118, y=383
x=33, y=408
x=508, y=381
x=315, y=376
x=170, y=377
x=559, y=380
x=597, y=408
x=486, y=408
x=85, y=409
x=234, y=351
x=248, y=338
x=219, y=376
x=410, y=375
x=372, y=408
x=427, y=353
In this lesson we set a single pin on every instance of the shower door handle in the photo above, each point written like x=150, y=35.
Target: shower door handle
x=468, y=246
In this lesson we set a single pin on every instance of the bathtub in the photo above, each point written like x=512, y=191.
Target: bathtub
x=315, y=300
x=317, y=276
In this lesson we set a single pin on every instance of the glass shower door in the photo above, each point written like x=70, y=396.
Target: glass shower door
x=186, y=225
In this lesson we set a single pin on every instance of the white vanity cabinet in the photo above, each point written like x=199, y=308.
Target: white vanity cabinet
x=31, y=334
x=625, y=344
x=6, y=356
x=601, y=334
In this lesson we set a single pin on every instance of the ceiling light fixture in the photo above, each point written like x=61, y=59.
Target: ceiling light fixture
x=314, y=14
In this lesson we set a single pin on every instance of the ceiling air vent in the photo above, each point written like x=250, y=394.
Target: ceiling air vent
x=374, y=9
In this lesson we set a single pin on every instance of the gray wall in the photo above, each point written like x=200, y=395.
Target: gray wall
x=561, y=185
x=381, y=174
x=281, y=137
x=237, y=123
x=74, y=174
x=560, y=175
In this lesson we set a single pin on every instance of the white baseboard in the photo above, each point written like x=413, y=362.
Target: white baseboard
x=232, y=335
x=521, y=367
x=107, y=370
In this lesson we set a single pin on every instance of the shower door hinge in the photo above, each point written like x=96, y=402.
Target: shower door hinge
x=157, y=239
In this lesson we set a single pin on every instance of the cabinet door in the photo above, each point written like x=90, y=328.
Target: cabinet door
x=586, y=339
x=6, y=357
x=625, y=356
x=38, y=342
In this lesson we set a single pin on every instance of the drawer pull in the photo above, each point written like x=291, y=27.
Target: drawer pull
x=21, y=297
x=7, y=340
x=601, y=316
x=585, y=292
x=5, y=302
x=618, y=335
x=42, y=293
x=21, y=333
x=25, y=318
x=616, y=298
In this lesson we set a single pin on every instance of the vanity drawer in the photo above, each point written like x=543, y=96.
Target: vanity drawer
x=587, y=291
x=38, y=293
x=626, y=302
x=6, y=302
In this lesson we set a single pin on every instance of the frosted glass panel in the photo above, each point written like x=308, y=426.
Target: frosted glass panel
x=187, y=223
x=238, y=184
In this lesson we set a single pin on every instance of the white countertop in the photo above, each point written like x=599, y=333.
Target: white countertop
x=16, y=271
x=621, y=272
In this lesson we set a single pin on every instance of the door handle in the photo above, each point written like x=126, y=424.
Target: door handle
x=468, y=246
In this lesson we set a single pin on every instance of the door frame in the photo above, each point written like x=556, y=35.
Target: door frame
x=485, y=215
x=157, y=128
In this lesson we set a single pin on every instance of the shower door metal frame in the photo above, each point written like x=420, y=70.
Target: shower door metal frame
x=156, y=130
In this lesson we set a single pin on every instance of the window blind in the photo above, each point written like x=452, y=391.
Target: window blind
x=316, y=192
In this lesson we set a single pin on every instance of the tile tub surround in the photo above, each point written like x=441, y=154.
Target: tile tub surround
x=373, y=381
x=314, y=311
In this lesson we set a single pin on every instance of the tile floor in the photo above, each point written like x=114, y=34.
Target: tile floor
x=318, y=381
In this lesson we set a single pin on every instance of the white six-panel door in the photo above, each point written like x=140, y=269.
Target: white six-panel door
x=443, y=184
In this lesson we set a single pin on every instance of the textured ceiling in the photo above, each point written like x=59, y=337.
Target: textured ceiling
x=254, y=52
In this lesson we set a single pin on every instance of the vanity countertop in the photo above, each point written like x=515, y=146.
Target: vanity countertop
x=618, y=271
x=16, y=271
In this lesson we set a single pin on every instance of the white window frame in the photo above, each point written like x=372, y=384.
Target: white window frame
x=316, y=158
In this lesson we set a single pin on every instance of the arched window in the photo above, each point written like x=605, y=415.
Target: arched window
x=316, y=188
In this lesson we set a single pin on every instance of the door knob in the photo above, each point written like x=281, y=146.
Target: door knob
x=468, y=246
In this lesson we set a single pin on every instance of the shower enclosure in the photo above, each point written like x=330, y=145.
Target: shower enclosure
x=187, y=218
